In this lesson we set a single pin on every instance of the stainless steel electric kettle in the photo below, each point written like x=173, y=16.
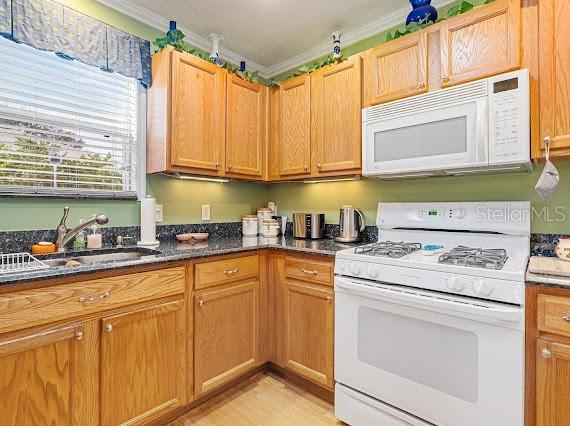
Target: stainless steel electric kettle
x=352, y=223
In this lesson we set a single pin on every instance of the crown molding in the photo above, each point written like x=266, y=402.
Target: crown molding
x=150, y=18
x=383, y=23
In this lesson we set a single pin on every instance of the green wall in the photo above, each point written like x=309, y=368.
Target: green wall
x=229, y=201
x=329, y=197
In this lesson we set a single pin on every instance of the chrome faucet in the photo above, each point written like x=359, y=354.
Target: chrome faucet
x=65, y=235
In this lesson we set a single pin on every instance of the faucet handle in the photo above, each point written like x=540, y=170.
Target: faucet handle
x=64, y=217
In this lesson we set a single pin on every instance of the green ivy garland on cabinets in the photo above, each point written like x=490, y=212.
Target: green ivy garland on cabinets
x=412, y=27
x=176, y=40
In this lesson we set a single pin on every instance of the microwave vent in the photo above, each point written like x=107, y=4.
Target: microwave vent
x=426, y=102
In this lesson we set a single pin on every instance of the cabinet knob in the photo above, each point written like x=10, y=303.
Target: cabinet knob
x=200, y=303
x=545, y=353
x=306, y=167
x=329, y=299
x=108, y=327
x=229, y=166
x=217, y=165
x=444, y=79
x=79, y=335
x=319, y=166
x=421, y=85
x=547, y=140
x=566, y=318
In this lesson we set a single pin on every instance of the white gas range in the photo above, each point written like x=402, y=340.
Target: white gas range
x=429, y=321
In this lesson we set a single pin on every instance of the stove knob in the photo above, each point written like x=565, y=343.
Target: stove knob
x=454, y=284
x=481, y=288
x=372, y=271
x=355, y=268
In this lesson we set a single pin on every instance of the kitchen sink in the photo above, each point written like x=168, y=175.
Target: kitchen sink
x=90, y=258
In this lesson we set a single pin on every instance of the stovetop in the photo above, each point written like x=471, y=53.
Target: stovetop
x=475, y=257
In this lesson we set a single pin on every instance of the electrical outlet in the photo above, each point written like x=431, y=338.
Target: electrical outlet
x=158, y=213
x=206, y=212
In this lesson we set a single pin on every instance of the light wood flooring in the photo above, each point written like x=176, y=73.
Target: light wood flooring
x=264, y=400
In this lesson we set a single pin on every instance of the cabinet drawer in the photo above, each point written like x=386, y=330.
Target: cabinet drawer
x=309, y=270
x=224, y=271
x=32, y=307
x=554, y=314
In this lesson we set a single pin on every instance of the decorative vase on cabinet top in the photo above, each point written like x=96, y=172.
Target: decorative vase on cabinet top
x=422, y=12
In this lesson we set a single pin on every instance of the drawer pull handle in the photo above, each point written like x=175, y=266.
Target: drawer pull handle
x=421, y=85
x=231, y=272
x=108, y=327
x=309, y=272
x=94, y=298
x=79, y=335
x=566, y=318
x=200, y=303
x=546, y=353
x=444, y=79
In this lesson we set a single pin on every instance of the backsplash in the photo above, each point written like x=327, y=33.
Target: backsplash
x=544, y=244
x=16, y=241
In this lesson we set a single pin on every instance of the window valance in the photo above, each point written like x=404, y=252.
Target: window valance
x=51, y=26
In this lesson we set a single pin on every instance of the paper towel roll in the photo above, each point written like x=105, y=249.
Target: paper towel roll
x=148, y=224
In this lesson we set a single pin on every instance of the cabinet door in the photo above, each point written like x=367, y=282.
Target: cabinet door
x=309, y=332
x=481, y=43
x=396, y=69
x=45, y=378
x=143, y=367
x=336, y=103
x=552, y=384
x=198, y=113
x=245, y=127
x=295, y=126
x=226, y=330
x=554, y=70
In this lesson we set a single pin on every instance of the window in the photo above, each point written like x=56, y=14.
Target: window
x=66, y=128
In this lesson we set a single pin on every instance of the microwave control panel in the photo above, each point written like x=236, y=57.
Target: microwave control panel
x=509, y=117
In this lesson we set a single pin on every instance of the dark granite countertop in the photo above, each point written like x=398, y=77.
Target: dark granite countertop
x=171, y=251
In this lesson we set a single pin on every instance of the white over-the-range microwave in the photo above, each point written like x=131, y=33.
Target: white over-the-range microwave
x=477, y=127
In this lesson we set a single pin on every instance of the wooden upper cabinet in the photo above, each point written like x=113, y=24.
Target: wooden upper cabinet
x=44, y=379
x=552, y=383
x=481, y=43
x=336, y=104
x=226, y=334
x=294, y=152
x=309, y=332
x=245, y=127
x=396, y=69
x=554, y=72
x=143, y=364
x=198, y=113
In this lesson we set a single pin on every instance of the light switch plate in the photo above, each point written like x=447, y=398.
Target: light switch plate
x=206, y=212
x=158, y=213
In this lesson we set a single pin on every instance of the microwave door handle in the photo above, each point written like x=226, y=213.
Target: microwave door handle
x=362, y=219
x=413, y=299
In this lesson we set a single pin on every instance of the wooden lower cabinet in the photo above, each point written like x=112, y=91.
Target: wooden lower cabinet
x=553, y=383
x=42, y=378
x=308, y=330
x=143, y=367
x=226, y=334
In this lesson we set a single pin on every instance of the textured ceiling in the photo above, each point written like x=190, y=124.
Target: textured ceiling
x=271, y=31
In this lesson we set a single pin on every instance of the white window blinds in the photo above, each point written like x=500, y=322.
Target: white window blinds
x=66, y=128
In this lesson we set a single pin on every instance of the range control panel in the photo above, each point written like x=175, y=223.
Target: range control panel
x=442, y=213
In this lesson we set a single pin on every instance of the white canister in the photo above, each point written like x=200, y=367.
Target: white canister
x=249, y=226
x=273, y=207
x=563, y=248
x=270, y=228
x=262, y=214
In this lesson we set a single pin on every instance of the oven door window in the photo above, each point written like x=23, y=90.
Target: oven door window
x=435, y=355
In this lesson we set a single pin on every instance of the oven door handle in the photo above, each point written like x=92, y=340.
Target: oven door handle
x=411, y=298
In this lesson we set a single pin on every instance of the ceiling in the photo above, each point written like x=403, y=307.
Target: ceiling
x=272, y=35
